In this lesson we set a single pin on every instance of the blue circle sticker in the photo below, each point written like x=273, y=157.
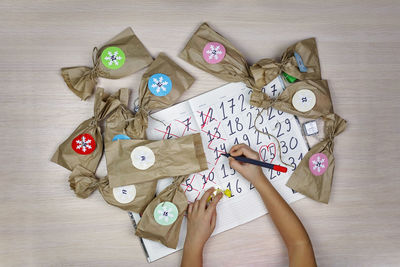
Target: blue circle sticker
x=160, y=84
x=121, y=137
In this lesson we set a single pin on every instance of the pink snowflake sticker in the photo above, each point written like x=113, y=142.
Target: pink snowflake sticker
x=318, y=164
x=214, y=52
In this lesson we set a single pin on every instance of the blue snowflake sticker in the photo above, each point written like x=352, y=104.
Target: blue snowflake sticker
x=121, y=137
x=160, y=84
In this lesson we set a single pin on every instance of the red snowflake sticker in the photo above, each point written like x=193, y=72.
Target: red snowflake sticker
x=83, y=144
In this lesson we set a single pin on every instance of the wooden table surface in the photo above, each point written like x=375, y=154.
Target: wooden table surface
x=42, y=223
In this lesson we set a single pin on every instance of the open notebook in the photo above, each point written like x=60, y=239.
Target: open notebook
x=224, y=117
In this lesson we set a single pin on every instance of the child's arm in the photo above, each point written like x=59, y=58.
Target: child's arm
x=200, y=225
x=292, y=231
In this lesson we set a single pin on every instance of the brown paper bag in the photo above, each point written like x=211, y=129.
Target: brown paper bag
x=284, y=101
x=120, y=122
x=85, y=145
x=138, y=161
x=123, y=55
x=162, y=219
x=311, y=183
x=83, y=182
x=132, y=198
x=265, y=70
x=232, y=66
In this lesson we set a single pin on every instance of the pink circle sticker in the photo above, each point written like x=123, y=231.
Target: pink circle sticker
x=318, y=164
x=214, y=52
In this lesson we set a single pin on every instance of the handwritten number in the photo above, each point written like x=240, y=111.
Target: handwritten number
x=230, y=128
x=232, y=105
x=293, y=144
x=284, y=147
x=239, y=126
x=250, y=120
x=189, y=187
x=241, y=96
x=168, y=130
x=292, y=163
x=223, y=111
x=246, y=138
x=238, y=189
x=251, y=186
x=269, y=114
x=279, y=130
x=287, y=121
x=223, y=170
x=230, y=189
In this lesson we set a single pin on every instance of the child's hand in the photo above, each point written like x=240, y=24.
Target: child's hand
x=252, y=173
x=201, y=221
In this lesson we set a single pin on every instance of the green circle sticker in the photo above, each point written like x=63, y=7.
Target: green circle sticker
x=113, y=57
x=165, y=213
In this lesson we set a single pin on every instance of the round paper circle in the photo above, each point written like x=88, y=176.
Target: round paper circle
x=142, y=157
x=304, y=100
x=318, y=164
x=166, y=213
x=124, y=194
x=113, y=57
x=214, y=52
x=83, y=144
x=121, y=137
x=159, y=84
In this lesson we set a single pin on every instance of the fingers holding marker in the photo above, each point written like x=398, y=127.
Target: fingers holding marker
x=243, y=150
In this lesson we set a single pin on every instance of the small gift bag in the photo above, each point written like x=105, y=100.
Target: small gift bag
x=313, y=176
x=138, y=161
x=310, y=99
x=85, y=145
x=211, y=52
x=83, y=182
x=121, y=56
x=131, y=197
x=162, y=219
x=299, y=62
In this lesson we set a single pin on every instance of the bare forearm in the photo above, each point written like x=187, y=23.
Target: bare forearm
x=286, y=221
x=192, y=257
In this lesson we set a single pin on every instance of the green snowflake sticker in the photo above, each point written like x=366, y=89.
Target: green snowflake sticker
x=166, y=213
x=113, y=57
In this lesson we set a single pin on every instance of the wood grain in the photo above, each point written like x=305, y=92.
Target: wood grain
x=42, y=223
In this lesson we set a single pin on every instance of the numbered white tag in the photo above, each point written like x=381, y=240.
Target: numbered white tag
x=142, y=157
x=275, y=87
x=304, y=100
x=124, y=194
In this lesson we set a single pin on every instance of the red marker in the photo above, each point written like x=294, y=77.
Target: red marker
x=257, y=162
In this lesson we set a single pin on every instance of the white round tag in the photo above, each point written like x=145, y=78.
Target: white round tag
x=124, y=194
x=142, y=157
x=304, y=100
